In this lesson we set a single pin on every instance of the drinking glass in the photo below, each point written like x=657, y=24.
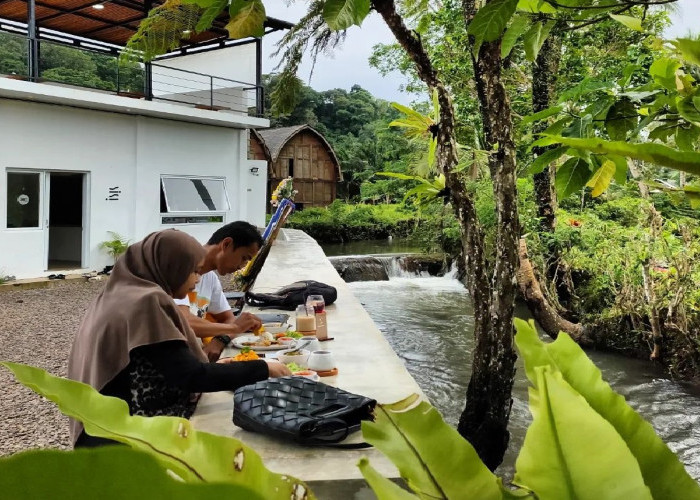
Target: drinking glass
x=306, y=320
x=317, y=302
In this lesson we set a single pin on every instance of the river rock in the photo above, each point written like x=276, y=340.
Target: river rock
x=434, y=265
x=360, y=269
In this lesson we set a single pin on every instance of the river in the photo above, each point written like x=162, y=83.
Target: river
x=428, y=322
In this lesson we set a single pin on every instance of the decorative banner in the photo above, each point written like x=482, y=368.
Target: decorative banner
x=23, y=199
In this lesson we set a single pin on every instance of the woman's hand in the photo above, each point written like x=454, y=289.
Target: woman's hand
x=277, y=369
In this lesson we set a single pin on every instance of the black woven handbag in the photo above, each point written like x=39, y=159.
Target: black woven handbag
x=301, y=410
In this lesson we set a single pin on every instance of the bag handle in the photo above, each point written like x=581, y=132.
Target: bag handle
x=335, y=442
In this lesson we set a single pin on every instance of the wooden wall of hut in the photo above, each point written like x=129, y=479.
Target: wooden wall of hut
x=307, y=160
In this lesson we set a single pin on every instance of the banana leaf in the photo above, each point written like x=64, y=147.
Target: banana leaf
x=194, y=456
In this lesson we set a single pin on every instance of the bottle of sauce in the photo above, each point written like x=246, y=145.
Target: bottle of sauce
x=317, y=305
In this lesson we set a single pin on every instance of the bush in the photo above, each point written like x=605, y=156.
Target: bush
x=341, y=222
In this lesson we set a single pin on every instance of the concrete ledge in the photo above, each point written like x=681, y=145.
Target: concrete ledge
x=34, y=283
x=366, y=363
x=80, y=98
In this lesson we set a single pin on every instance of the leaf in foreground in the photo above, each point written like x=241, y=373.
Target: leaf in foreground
x=563, y=456
x=247, y=18
x=384, y=488
x=663, y=473
x=107, y=473
x=341, y=14
x=652, y=153
x=434, y=460
x=601, y=178
x=192, y=455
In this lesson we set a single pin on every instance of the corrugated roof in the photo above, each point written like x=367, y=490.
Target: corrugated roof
x=274, y=139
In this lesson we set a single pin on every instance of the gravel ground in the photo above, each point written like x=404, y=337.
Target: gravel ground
x=37, y=328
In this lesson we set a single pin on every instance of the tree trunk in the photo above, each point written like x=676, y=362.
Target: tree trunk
x=543, y=312
x=544, y=80
x=485, y=417
x=485, y=420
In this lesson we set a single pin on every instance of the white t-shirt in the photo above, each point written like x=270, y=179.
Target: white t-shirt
x=209, y=297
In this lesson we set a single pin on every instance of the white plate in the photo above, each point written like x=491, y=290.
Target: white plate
x=238, y=342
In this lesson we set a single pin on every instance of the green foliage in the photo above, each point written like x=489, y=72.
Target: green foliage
x=425, y=192
x=116, y=246
x=572, y=176
x=490, y=21
x=661, y=470
x=247, y=18
x=402, y=437
x=563, y=456
x=194, y=456
x=341, y=14
x=384, y=488
x=112, y=473
x=357, y=126
x=631, y=22
x=535, y=37
x=575, y=416
x=517, y=28
x=73, y=66
x=342, y=222
x=163, y=30
x=211, y=11
x=657, y=154
x=601, y=178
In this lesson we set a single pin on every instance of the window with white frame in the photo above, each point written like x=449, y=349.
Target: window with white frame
x=204, y=195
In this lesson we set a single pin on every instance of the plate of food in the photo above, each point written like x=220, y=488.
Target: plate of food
x=299, y=371
x=263, y=342
x=246, y=354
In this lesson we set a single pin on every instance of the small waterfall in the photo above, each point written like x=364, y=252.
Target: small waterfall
x=395, y=267
x=383, y=267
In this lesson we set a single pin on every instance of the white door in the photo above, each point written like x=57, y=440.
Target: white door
x=24, y=234
x=64, y=220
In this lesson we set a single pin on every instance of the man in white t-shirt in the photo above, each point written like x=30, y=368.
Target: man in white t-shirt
x=209, y=313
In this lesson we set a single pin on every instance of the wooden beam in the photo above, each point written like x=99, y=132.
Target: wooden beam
x=63, y=12
x=78, y=14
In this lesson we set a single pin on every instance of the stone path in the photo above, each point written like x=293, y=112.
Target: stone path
x=37, y=328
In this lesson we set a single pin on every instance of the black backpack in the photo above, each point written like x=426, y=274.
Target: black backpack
x=290, y=296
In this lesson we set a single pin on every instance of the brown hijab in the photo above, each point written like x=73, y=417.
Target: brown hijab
x=134, y=309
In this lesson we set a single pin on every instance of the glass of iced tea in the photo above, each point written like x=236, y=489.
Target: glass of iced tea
x=317, y=302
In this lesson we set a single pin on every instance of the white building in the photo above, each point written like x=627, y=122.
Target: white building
x=76, y=164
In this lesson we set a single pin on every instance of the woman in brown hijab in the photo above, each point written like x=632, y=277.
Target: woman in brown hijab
x=134, y=344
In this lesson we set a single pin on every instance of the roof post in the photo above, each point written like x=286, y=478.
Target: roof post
x=148, y=68
x=259, y=96
x=32, y=43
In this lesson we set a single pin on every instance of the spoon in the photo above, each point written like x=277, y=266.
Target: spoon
x=300, y=345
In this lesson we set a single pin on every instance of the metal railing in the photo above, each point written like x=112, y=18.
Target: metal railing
x=205, y=91
x=137, y=80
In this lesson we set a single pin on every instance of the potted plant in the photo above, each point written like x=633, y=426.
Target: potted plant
x=116, y=246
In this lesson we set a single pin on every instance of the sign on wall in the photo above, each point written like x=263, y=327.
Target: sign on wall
x=113, y=194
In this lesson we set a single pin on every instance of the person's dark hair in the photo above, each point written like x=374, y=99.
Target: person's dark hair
x=242, y=233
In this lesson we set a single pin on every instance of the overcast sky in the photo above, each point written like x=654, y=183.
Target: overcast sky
x=349, y=64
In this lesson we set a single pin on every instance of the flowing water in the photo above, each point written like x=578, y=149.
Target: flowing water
x=428, y=322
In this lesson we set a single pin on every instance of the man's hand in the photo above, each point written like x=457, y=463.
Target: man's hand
x=213, y=350
x=247, y=322
x=277, y=369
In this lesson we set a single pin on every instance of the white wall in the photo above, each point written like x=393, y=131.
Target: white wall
x=256, y=193
x=117, y=151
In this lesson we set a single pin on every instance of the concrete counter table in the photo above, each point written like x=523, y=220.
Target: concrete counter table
x=366, y=365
